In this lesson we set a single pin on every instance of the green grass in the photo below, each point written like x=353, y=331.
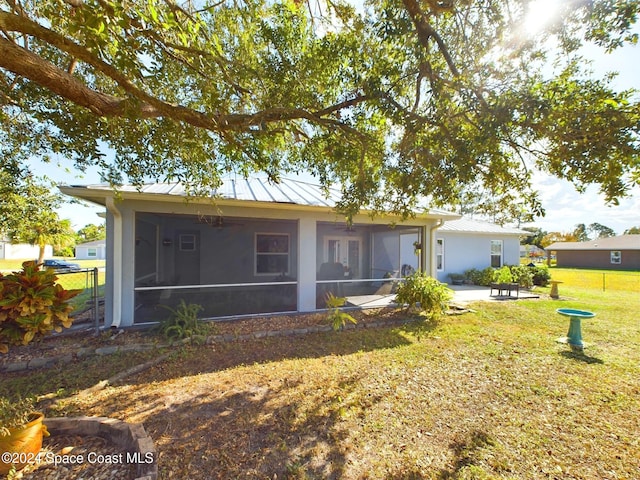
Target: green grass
x=484, y=395
x=603, y=280
x=12, y=265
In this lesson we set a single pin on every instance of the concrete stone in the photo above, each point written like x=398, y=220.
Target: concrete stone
x=16, y=367
x=39, y=362
x=106, y=350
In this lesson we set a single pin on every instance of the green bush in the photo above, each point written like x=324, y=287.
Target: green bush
x=541, y=275
x=32, y=305
x=503, y=275
x=183, y=321
x=66, y=252
x=425, y=294
x=480, y=277
x=522, y=275
x=335, y=315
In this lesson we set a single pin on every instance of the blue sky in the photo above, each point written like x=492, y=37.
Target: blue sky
x=564, y=207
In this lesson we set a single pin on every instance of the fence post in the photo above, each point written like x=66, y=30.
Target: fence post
x=96, y=320
x=604, y=281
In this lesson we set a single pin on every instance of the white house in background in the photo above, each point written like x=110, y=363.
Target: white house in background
x=258, y=248
x=95, y=250
x=21, y=251
x=464, y=244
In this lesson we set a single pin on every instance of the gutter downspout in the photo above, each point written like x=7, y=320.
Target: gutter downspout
x=433, y=268
x=116, y=264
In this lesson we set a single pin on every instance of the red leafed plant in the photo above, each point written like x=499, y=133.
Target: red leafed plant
x=32, y=305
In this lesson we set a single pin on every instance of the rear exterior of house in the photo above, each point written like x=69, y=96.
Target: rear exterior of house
x=612, y=253
x=258, y=248
x=466, y=244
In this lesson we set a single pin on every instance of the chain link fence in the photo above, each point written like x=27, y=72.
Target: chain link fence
x=87, y=304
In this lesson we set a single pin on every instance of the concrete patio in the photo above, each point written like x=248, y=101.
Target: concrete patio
x=463, y=294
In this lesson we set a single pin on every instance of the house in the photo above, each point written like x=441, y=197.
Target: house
x=95, y=250
x=463, y=244
x=532, y=252
x=611, y=253
x=21, y=251
x=258, y=247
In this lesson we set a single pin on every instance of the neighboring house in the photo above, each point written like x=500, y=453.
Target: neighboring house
x=532, y=252
x=95, y=250
x=257, y=248
x=21, y=251
x=611, y=253
x=464, y=244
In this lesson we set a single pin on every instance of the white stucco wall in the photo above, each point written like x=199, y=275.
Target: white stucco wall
x=22, y=251
x=464, y=251
x=82, y=252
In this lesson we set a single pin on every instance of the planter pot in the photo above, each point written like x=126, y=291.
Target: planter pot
x=25, y=442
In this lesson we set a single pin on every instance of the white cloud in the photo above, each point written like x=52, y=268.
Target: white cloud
x=565, y=207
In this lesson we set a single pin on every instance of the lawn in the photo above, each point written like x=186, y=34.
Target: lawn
x=484, y=395
x=12, y=265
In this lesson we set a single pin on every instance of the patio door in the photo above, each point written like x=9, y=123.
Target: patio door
x=344, y=250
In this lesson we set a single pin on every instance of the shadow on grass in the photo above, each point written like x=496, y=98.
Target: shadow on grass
x=581, y=357
x=467, y=454
x=261, y=431
x=66, y=379
x=265, y=426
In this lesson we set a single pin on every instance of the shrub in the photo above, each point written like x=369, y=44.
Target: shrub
x=541, y=275
x=183, y=321
x=480, y=277
x=337, y=317
x=424, y=293
x=32, y=305
x=14, y=414
x=522, y=275
x=503, y=275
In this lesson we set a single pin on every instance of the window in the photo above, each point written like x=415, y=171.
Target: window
x=272, y=253
x=440, y=254
x=187, y=242
x=92, y=252
x=496, y=253
x=616, y=257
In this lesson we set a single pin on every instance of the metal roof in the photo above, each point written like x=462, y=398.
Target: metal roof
x=254, y=189
x=466, y=225
x=621, y=242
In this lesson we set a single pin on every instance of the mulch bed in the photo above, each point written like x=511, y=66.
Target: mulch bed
x=82, y=335
x=79, y=456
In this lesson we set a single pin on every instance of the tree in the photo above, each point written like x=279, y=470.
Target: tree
x=27, y=213
x=407, y=100
x=580, y=233
x=536, y=237
x=601, y=231
x=91, y=232
x=632, y=231
x=553, y=237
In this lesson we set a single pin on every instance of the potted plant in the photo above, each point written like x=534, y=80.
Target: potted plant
x=21, y=433
x=456, y=278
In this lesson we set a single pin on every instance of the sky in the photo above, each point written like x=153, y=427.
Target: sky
x=564, y=206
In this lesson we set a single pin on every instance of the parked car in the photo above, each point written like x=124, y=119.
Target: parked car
x=61, y=266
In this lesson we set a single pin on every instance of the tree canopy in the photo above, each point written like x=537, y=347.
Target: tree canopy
x=27, y=213
x=396, y=101
x=91, y=232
